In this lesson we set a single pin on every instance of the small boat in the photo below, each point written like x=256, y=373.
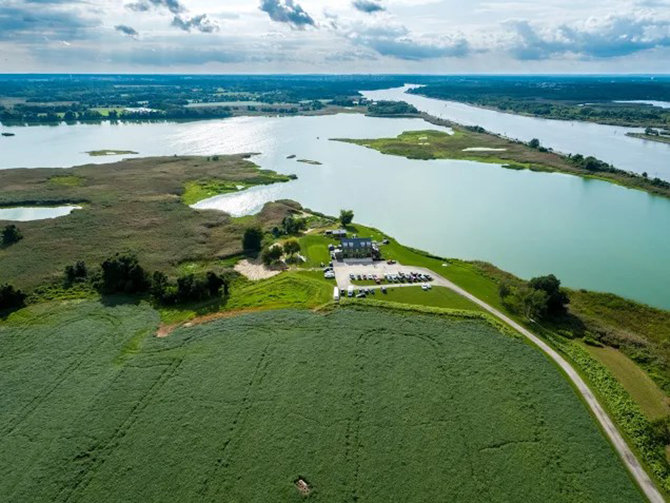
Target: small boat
x=8, y=134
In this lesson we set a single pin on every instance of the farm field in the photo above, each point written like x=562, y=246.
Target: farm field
x=362, y=405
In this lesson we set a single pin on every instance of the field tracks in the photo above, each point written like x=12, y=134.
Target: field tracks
x=208, y=491
x=102, y=451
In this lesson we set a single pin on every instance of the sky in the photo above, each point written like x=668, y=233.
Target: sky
x=335, y=36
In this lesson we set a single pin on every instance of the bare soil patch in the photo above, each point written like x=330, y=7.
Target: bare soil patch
x=255, y=270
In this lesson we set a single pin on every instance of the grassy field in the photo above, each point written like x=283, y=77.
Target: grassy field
x=135, y=205
x=431, y=144
x=436, y=297
x=362, y=405
x=645, y=392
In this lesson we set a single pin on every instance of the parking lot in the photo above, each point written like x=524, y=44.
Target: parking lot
x=343, y=271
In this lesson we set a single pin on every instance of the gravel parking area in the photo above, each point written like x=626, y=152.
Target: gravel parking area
x=343, y=270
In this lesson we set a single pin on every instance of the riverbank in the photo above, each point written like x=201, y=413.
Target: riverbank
x=650, y=137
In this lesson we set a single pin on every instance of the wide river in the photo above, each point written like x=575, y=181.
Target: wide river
x=608, y=143
x=591, y=234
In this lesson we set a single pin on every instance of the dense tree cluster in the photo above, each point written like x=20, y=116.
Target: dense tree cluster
x=392, y=108
x=189, y=288
x=290, y=226
x=122, y=273
x=540, y=297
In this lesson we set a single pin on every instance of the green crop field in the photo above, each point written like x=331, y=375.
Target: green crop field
x=361, y=404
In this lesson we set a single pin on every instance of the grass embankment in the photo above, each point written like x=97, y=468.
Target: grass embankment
x=136, y=205
x=290, y=290
x=360, y=404
x=431, y=144
x=650, y=137
x=436, y=297
x=650, y=398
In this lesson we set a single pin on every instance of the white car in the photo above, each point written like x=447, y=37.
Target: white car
x=329, y=275
x=424, y=287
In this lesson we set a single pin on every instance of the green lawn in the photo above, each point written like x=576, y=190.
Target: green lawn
x=362, y=404
x=436, y=297
x=314, y=247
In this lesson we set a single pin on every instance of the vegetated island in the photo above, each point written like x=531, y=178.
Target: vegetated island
x=309, y=161
x=476, y=144
x=180, y=274
x=663, y=137
x=104, y=152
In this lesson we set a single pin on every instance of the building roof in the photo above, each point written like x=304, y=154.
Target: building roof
x=356, y=243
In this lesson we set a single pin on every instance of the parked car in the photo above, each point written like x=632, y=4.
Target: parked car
x=424, y=287
x=352, y=276
x=383, y=289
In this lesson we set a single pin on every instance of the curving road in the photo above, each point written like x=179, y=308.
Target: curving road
x=634, y=467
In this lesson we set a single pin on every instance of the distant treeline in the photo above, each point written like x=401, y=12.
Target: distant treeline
x=566, y=98
x=19, y=116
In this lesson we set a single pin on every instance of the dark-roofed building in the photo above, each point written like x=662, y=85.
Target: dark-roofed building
x=356, y=248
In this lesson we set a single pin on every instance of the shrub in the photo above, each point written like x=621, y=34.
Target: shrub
x=291, y=247
x=77, y=272
x=271, y=255
x=10, y=235
x=346, y=217
x=252, y=241
x=10, y=297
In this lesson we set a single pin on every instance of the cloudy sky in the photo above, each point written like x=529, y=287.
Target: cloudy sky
x=335, y=36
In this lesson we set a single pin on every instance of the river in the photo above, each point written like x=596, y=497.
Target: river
x=591, y=234
x=608, y=143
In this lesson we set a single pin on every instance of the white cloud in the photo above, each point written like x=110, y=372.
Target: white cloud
x=336, y=35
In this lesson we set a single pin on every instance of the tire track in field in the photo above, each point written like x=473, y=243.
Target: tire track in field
x=462, y=424
x=103, y=450
x=207, y=491
x=353, y=432
x=27, y=410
